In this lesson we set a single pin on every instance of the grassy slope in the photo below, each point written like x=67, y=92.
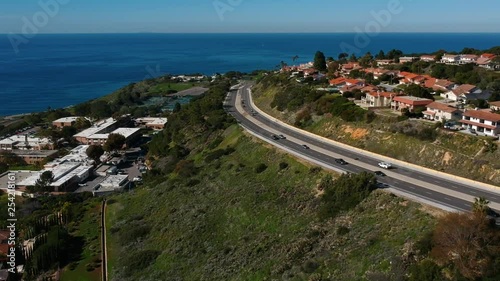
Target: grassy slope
x=451, y=153
x=239, y=225
x=89, y=229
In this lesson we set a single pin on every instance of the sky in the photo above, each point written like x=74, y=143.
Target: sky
x=255, y=16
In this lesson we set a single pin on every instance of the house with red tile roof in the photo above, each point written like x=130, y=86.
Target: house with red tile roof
x=430, y=83
x=410, y=103
x=338, y=82
x=348, y=67
x=439, y=111
x=481, y=121
x=310, y=71
x=443, y=85
x=465, y=93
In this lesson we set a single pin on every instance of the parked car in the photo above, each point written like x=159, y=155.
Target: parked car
x=385, y=165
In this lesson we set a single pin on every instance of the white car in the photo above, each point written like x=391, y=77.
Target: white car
x=385, y=165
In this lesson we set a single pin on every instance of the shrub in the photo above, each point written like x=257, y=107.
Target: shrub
x=283, y=165
x=260, y=168
x=72, y=266
x=342, y=230
x=137, y=261
x=89, y=267
x=315, y=170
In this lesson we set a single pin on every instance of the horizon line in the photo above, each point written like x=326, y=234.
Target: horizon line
x=336, y=32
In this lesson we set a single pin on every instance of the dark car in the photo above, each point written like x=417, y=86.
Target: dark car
x=305, y=146
x=380, y=173
x=341, y=161
x=275, y=137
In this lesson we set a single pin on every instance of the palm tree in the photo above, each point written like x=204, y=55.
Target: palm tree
x=480, y=206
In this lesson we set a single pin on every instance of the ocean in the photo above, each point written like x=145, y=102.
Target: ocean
x=58, y=70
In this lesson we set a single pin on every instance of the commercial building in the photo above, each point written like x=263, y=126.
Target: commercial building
x=25, y=142
x=152, y=122
x=66, y=175
x=66, y=121
x=99, y=133
x=32, y=156
x=111, y=184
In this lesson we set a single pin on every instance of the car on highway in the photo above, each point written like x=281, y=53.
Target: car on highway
x=282, y=137
x=305, y=146
x=275, y=137
x=379, y=173
x=340, y=161
x=385, y=165
x=382, y=185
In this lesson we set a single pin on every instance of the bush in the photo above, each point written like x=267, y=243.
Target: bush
x=315, y=170
x=89, y=267
x=260, y=168
x=72, y=266
x=342, y=230
x=138, y=261
x=283, y=165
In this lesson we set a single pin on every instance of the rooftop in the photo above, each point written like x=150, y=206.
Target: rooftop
x=126, y=132
x=67, y=119
x=34, y=153
x=442, y=107
x=153, y=120
x=485, y=115
x=22, y=138
x=412, y=100
x=97, y=128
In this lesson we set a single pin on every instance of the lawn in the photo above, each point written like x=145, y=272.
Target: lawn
x=164, y=87
x=89, y=229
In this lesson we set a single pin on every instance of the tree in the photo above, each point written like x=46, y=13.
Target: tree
x=381, y=55
x=294, y=58
x=480, y=206
x=114, y=142
x=353, y=58
x=467, y=243
x=494, y=88
x=100, y=109
x=82, y=123
x=417, y=91
x=43, y=183
x=366, y=60
x=320, y=61
x=94, y=152
x=177, y=107
x=343, y=56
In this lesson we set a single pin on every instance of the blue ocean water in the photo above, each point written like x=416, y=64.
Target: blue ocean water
x=66, y=69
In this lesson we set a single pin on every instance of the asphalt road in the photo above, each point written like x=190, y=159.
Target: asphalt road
x=444, y=193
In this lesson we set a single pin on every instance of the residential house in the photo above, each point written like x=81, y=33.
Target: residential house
x=428, y=58
x=310, y=72
x=338, y=82
x=443, y=85
x=487, y=61
x=430, y=82
x=410, y=103
x=378, y=99
x=465, y=59
x=384, y=62
x=458, y=91
x=377, y=72
x=495, y=105
x=482, y=122
x=440, y=111
x=348, y=67
x=407, y=59
x=450, y=59
x=411, y=78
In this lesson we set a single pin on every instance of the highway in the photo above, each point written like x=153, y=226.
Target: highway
x=434, y=189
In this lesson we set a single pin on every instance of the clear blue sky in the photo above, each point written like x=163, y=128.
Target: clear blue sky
x=109, y=16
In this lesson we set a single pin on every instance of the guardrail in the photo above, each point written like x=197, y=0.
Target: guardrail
x=425, y=170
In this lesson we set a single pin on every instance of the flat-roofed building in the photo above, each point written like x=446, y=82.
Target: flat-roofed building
x=101, y=127
x=66, y=175
x=152, y=122
x=25, y=142
x=33, y=156
x=111, y=184
x=66, y=121
x=98, y=134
